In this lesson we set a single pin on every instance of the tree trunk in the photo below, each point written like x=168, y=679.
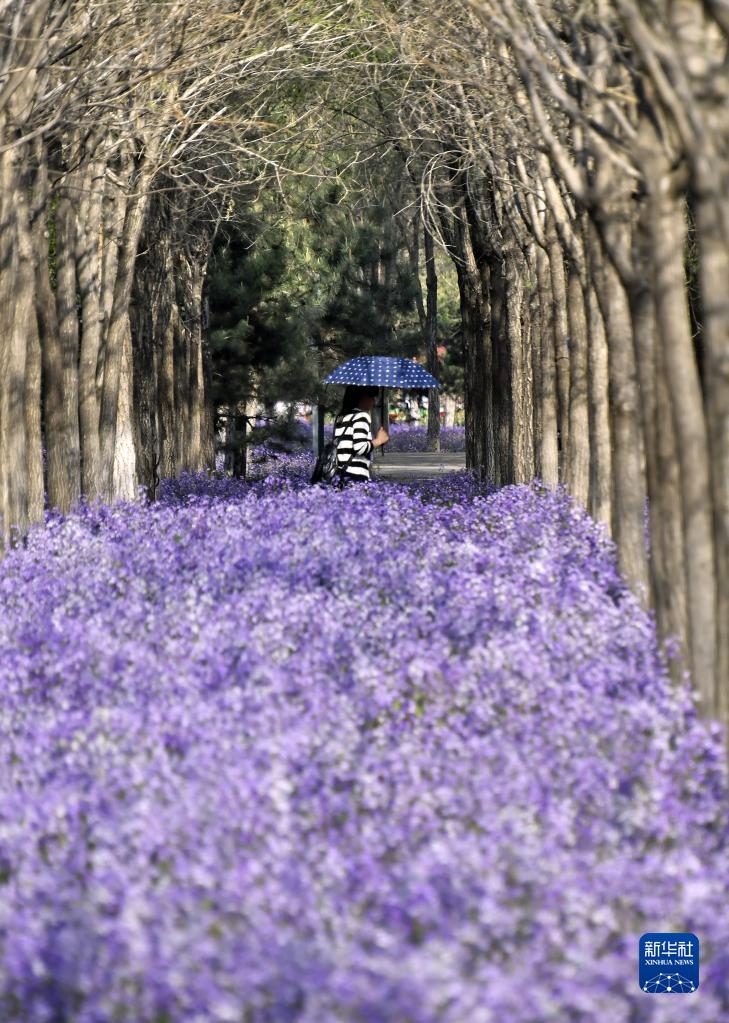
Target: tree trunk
x=601, y=470
x=27, y=322
x=89, y=263
x=521, y=462
x=68, y=444
x=181, y=377
x=535, y=355
x=668, y=551
x=667, y=240
x=60, y=417
x=548, y=446
x=146, y=317
x=713, y=277
x=196, y=262
x=431, y=338
x=207, y=409
x=238, y=421
x=196, y=404
x=118, y=476
x=501, y=369
x=124, y=473
x=166, y=395
x=13, y=353
x=480, y=447
x=230, y=440
x=702, y=51
x=578, y=446
x=114, y=213
x=561, y=347
x=629, y=484
x=643, y=318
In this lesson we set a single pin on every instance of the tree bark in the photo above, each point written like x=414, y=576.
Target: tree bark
x=667, y=242
x=27, y=320
x=628, y=459
x=473, y=291
x=182, y=373
x=501, y=368
x=13, y=351
x=713, y=277
x=146, y=319
x=535, y=356
x=125, y=478
x=668, y=551
x=578, y=444
x=548, y=446
x=207, y=411
x=561, y=347
x=89, y=265
x=60, y=429
x=118, y=476
x=702, y=52
x=67, y=446
x=431, y=338
x=521, y=462
x=166, y=395
x=601, y=472
x=195, y=260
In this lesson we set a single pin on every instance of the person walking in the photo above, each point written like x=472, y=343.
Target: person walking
x=353, y=433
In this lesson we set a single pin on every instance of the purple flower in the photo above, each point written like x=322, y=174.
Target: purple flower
x=405, y=752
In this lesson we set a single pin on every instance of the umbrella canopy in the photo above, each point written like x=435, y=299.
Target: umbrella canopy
x=382, y=371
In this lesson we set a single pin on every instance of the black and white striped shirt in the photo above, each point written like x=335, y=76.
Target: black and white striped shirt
x=355, y=431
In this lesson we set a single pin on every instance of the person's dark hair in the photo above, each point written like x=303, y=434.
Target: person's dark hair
x=352, y=394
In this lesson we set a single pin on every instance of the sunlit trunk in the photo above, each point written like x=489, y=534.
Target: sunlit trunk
x=548, y=460
x=521, y=461
x=13, y=354
x=89, y=264
x=431, y=338
x=118, y=474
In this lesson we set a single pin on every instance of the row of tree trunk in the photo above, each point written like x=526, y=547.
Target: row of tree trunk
x=590, y=233
x=104, y=367
x=124, y=135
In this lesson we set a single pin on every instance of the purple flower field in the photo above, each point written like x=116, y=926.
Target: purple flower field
x=404, y=437
x=415, y=438
x=398, y=754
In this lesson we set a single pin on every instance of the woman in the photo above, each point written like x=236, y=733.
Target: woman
x=353, y=433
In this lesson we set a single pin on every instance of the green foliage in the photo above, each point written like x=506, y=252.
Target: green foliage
x=256, y=322
x=306, y=281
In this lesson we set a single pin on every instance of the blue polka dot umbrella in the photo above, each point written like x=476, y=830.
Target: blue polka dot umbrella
x=382, y=371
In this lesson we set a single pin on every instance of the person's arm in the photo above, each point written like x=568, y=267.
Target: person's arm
x=382, y=438
x=361, y=440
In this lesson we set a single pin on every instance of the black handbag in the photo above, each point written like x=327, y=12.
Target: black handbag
x=327, y=468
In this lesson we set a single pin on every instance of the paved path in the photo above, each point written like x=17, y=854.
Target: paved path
x=412, y=465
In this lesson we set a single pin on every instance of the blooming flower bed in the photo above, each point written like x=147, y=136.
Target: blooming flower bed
x=401, y=754
x=415, y=438
x=403, y=437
